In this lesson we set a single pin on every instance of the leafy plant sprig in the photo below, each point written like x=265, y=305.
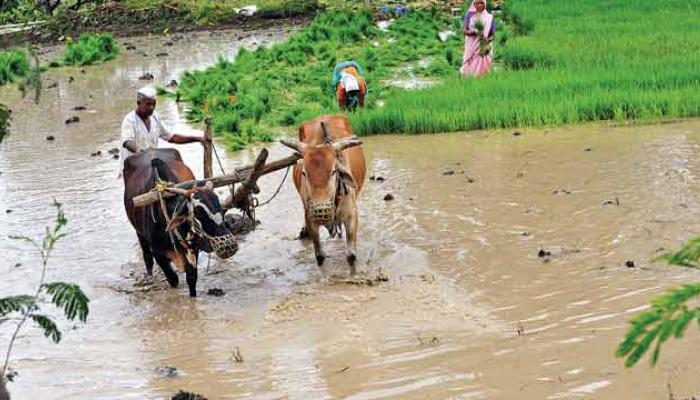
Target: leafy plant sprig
x=66, y=296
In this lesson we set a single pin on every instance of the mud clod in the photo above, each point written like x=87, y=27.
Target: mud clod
x=615, y=202
x=629, y=264
x=79, y=108
x=381, y=276
x=237, y=357
x=163, y=54
x=95, y=154
x=130, y=47
x=303, y=234
x=448, y=173
x=182, y=395
x=8, y=211
x=216, y=292
x=168, y=372
x=72, y=120
x=389, y=197
x=562, y=191
x=172, y=84
x=71, y=79
x=146, y=77
x=380, y=179
x=588, y=149
x=169, y=44
x=51, y=138
x=113, y=151
x=52, y=85
x=517, y=133
x=544, y=253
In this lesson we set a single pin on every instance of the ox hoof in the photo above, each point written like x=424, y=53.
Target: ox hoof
x=193, y=294
x=320, y=258
x=351, y=259
x=173, y=281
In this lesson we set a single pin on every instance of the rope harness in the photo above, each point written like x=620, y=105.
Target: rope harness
x=174, y=233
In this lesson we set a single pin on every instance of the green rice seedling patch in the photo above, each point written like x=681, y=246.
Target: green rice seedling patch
x=90, y=49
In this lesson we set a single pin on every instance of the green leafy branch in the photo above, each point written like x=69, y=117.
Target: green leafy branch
x=66, y=296
x=669, y=315
x=687, y=256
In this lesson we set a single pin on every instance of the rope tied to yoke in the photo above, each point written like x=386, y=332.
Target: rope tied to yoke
x=176, y=238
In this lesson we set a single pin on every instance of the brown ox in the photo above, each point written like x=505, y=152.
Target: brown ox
x=329, y=179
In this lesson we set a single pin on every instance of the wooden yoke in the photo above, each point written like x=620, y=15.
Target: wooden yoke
x=239, y=175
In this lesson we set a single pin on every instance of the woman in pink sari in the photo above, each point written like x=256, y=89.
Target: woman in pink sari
x=476, y=62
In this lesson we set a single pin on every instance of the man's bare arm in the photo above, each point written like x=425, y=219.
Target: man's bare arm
x=182, y=139
x=131, y=146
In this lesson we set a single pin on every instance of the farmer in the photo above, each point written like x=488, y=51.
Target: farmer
x=142, y=127
x=479, y=29
x=349, y=85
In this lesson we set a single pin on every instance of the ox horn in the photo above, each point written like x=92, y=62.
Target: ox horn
x=294, y=145
x=324, y=128
x=346, y=144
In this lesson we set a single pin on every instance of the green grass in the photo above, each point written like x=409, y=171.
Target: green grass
x=90, y=49
x=561, y=63
x=13, y=65
x=4, y=121
x=584, y=61
x=291, y=81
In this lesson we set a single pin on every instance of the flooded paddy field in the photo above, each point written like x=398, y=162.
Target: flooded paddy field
x=498, y=270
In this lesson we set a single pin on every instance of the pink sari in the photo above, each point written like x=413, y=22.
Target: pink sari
x=474, y=64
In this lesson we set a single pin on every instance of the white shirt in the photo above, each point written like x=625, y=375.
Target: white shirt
x=133, y=128
x=349, y=82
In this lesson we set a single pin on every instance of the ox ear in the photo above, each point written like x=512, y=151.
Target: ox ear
x=294, y=145
x=345, y=176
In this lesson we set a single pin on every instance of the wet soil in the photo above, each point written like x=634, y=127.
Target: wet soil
x=452, y=297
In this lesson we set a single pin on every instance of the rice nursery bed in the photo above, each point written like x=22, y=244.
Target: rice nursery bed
x=289, y=82
x=557, y=63
x=13, y=65
x=90, y=49
x=584, y=61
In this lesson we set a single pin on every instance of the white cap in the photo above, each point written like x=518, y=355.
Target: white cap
x=146, y=92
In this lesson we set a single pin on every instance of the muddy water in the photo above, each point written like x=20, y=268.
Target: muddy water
x=469, y=310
